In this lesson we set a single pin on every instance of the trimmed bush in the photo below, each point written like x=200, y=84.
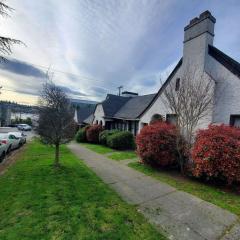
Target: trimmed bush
x=156, y=144
x=93, y=133
x=81, y=135
x=216, y=154
x=105, y=134
x=121, y=140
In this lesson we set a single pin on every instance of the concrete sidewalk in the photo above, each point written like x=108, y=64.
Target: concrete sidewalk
x=181, y=215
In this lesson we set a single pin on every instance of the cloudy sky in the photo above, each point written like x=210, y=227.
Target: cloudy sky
x=93, y=46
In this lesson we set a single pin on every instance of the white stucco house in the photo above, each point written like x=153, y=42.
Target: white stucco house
x=199, y=53
x=131, y=112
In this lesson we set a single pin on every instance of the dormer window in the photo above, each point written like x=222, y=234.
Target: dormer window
x=177, y=86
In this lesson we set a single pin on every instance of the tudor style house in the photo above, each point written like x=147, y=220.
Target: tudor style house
x=131, y=112
x=200, y=54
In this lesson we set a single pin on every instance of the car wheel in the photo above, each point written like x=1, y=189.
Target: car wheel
x=9, y=149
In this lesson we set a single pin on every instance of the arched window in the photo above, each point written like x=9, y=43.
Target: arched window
x=156, y=117
x=97, y=122
x=101, y=122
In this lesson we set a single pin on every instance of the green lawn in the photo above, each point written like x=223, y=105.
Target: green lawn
x=223, y=199
x=42, y=202
x=123, y=155
x=98, y=148
x=111, y=153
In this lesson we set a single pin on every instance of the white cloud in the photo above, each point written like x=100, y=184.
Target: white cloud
x=103, y=43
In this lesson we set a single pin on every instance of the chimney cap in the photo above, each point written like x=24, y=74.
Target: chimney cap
x=126, y=93
x=205, y=14
x=202, y=16
x=194, y=20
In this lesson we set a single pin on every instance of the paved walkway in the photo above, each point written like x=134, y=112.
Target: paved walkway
x=181, y=215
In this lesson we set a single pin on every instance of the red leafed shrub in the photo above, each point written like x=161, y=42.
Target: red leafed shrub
x=93, y=133
x=216, y=153
x=156, y=144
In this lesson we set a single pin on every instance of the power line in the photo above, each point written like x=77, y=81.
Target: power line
x=60, y=71
x=81, y=77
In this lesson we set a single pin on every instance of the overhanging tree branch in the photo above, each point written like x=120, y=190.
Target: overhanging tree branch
x=6, y=43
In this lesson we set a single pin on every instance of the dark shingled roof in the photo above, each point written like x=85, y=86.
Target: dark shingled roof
x=84, y=112
x=112, y=104
x=89, y=119
x=229, y=63
x=134, y=107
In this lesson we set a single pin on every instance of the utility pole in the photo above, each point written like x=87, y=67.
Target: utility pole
x=119, y=90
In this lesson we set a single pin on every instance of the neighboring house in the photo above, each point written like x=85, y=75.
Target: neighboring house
x=200, y=54
x=122, y=112
x=5, y=114
x=84, y=114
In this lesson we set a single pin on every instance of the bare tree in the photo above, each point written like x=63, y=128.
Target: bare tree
x=6, y=43
x=191, y=99
x=56, y=118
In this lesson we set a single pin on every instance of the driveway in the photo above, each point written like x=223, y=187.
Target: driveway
x=180, y=215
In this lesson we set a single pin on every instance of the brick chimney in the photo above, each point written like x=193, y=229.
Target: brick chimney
x=198, y=34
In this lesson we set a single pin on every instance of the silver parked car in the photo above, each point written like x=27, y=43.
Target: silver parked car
x=3, y=151
x=21, y=136
x=24, y=127
x=10, y=140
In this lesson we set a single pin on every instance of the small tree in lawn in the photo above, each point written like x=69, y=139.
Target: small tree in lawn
x=56, y=118
x=190, y=98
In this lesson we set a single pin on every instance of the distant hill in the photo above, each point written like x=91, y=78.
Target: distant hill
x=21, y=108
x=15, y=107
x=82, y=103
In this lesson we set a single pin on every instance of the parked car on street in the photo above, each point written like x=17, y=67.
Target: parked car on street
x=3, y=151
x=10, y=140
x=24, y=127
x=21, y=136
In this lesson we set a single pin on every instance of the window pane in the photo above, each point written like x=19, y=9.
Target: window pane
x=237, y=122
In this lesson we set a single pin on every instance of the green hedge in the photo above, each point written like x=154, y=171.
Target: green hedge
x=81, y=135
x=105, y=134
x=122, y=140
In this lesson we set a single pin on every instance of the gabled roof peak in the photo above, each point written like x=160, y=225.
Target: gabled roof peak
x=228, y=62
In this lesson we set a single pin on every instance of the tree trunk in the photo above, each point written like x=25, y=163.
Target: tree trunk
x=57, y=155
